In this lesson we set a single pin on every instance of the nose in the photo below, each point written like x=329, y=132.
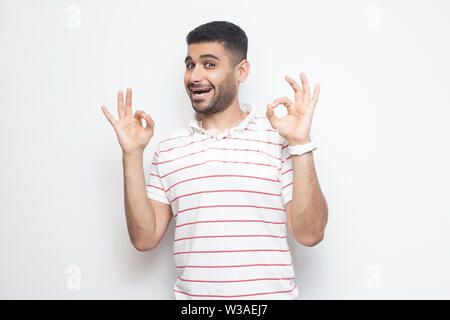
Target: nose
x=196, y=74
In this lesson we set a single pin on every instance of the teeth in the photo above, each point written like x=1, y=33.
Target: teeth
x=201, y=94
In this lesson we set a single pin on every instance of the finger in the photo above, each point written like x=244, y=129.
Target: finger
x=150, y=122
x=305, y=85
x=120, y=107
x=143, y=115
x=290, y=106
x=297, y=89
x=315, y=96
x=273, y=119
x=128, y=103
x=139, y=115
x=109, y=116
x=284, y=100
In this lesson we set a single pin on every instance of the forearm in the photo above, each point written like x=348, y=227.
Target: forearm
x=309, y=208
x=140, y=217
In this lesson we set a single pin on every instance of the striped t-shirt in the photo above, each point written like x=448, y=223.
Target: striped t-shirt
x=228, y=195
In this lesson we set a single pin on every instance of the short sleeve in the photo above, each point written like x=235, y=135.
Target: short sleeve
x=286, y=174
x=154, y=187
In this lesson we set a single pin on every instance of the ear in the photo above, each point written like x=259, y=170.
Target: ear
x=243, y=69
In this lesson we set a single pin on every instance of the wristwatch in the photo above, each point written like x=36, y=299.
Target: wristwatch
x=300, y=149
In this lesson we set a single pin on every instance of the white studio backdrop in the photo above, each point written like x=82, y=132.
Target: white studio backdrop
x=381, y=126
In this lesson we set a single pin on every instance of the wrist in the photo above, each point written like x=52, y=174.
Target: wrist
x=133, y=154
x=301, y=146
x=298, y=141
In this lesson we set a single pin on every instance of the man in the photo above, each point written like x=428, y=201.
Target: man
x=232, y=180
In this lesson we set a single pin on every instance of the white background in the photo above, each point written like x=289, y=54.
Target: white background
x=381, y=126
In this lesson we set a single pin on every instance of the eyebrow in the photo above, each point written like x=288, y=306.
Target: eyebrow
x=207, y=55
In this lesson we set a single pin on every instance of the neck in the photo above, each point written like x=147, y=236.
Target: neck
x=226, y=119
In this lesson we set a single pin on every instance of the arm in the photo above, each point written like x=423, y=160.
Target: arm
x=147, y=219
x=307, y=213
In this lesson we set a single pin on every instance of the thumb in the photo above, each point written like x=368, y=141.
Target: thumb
x=271, y=116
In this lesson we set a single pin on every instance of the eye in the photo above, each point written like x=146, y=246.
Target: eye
x=188, y=65
x=212, y=64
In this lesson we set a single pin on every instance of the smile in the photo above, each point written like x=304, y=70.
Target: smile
x=201, y=94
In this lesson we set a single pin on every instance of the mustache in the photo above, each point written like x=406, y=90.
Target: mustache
x=200, y=87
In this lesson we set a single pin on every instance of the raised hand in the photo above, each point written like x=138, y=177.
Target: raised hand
x=132, y=136
x=295, y=127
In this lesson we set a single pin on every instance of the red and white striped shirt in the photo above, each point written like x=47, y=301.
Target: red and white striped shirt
x=228, y=195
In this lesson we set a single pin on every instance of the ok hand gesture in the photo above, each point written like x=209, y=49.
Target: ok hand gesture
x=133, y=137
x=296, y=125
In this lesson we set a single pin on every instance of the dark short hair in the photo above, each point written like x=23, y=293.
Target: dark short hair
x=230, y=35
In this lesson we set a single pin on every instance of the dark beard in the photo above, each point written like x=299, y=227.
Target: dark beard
x=224, y=98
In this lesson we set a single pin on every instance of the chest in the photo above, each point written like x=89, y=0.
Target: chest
x=205, y=162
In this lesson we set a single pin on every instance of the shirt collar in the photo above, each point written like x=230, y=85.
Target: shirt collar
x=196, y=124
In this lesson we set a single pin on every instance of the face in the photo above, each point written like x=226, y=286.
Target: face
x=210, y=80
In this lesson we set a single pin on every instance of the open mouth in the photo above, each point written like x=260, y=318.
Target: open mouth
x=200, y=94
